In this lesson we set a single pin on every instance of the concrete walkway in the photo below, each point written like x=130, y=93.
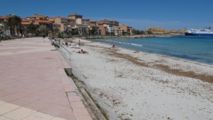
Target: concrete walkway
x=14, y=112
x=33, y=83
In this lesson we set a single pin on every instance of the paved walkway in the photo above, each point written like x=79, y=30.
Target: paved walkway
x=14, y=112
x=33, y=83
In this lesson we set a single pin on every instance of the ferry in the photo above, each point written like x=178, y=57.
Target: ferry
x=199, y=32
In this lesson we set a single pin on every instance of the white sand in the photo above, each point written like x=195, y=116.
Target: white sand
x=131, y=92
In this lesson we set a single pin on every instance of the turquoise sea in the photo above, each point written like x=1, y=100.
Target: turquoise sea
x=198, y=49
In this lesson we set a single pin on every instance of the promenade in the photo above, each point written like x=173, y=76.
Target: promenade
x=33, y=84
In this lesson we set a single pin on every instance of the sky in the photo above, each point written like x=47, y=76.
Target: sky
x=141, y=14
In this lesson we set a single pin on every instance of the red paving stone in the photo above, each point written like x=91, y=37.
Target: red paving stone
x=32, y=75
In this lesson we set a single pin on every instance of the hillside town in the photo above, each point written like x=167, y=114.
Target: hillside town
x=12, y=26
x=73, y=24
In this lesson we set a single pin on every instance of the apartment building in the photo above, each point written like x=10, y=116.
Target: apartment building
x=77, y=18
x=124, y=30
x=108, y=27
x=60, y=22
x=36, y=19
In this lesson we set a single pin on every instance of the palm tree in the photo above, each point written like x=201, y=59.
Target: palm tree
x=31, y=29
x=42, y=30
x=93, y=31
x=14, y=23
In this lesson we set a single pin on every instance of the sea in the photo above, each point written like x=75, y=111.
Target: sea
x=193, y=48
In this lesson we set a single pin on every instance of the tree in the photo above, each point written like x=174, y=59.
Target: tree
x=42, y=30
x=68, y=32
x=93, y=31
x=74, y=31
x=138, y=32
x=55, y=31
x=14, y=23
x=71, y=31
x=1, y=28
x=31, y=28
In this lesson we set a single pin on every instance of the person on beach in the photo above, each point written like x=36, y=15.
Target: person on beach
x=79, y=42
x=113, y=46
x=82, y=51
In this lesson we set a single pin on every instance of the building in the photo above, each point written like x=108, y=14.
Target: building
x=93, y=23
x=108, y=27
x=43, y=24
x=93, y=28
x=60, y=22
x=37, y=19
x=124, y=30
x=77, y=18
x=77, y=23
x=74, y=24
x=3, y=19
x=86, y=22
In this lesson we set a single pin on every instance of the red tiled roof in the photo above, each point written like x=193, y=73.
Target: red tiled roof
x=4, y=17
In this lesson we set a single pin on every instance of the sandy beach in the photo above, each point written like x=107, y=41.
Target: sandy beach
x=130, y=85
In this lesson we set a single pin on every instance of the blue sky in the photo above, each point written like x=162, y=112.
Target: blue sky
x=137, y=13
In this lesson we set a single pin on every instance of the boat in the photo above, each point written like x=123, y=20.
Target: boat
x=200, y=32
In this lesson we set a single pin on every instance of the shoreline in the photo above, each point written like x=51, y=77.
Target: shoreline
x=129, y=85
x=134, y=36
x=133, y=46
x=160, y=61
